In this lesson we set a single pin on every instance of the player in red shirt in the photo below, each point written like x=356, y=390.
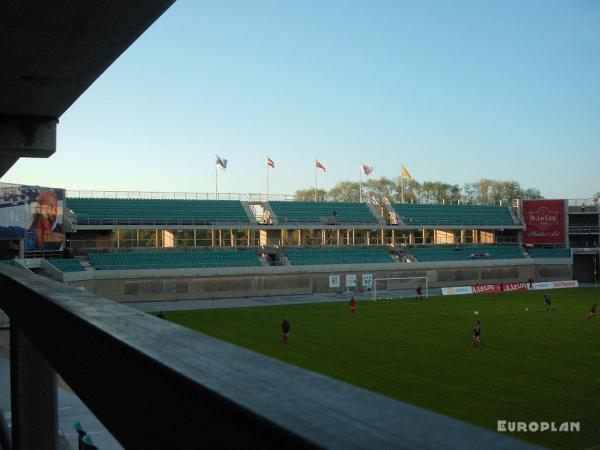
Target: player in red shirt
x=353, y=304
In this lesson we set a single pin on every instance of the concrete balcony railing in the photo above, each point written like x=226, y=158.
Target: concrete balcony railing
x=156, y=385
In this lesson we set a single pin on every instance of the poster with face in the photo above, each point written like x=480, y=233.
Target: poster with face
x=32, y=213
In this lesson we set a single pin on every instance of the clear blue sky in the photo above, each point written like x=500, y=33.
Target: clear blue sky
x=455, y=91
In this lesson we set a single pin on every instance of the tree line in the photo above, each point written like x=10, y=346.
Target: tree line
x=484, y=191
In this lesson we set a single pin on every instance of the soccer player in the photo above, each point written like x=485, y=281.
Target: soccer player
x=419, y=293
x=477, y=334
x=353, y=304
x=285, y=330
x=548, y=302
x=592, y=313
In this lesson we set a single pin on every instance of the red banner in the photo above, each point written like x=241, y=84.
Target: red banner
x=544, y=221
x=486, y=289
x=511, y=287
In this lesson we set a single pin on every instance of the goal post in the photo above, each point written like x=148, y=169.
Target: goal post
x=394, y=284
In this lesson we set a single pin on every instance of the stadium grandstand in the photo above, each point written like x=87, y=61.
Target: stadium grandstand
x=110, y=237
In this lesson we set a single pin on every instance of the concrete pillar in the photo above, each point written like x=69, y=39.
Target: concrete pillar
x=462, y=236
x=21, y=248
x=233, y=238
x=137, y=237
x=118, y=238
x=338, y=237
x=34, y=397
x=213, y=238
x=368, y=237
x=424, y=236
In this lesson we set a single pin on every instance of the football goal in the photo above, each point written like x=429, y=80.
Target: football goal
x=388, y=288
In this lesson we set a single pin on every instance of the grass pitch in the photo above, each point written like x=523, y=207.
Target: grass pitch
x=536, y=365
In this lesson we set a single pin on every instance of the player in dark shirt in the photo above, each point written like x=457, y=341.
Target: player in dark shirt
x=353, y=305
x=548, y=302
x=285, y=330
x=419, y=293
x=477, y=334
x=592, y=313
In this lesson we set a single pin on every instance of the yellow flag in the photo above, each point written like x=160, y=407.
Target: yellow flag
x=406, y=174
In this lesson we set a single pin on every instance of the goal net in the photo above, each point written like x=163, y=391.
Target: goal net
x=388, y=288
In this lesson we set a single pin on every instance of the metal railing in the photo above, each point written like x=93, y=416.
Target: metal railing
x=149, y=195
x=150, y=382
x=82, y=220
x=590, y=201
x=584, y=229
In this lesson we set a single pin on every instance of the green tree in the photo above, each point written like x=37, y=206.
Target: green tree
x=308, y=195
x=345, y=191
x=531, y=193
x=412, y=190
x=380, y=189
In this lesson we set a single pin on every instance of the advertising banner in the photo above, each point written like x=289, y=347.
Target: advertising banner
x=457, y=290
x=508, y=287
x=351, y=280
x=367, y=280
x=334, y=281
x=512, y=287
x=32, y=213
x=487, y=289
x=544, y=221
x=566, y=284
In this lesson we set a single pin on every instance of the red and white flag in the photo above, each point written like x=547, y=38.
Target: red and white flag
x=270, y=163
x=318, y=165
x=366, y=169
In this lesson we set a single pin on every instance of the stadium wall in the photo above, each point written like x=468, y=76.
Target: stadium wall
x=180, y=284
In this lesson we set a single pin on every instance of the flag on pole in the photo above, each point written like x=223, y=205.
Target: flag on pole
x=366, y=169
x=405, y=173
x=221, y=163
x=318, y=165
x=270, y=163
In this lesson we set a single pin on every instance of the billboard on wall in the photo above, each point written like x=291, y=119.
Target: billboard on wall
x=32, y=213
x=544, y=221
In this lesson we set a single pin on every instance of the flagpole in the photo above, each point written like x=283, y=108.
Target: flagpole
x=267, y=181
x=402, y=187
x=360, y=184
x=216, y=182
x=315, y=179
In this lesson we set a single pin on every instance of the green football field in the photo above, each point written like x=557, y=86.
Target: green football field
x=536, y=365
